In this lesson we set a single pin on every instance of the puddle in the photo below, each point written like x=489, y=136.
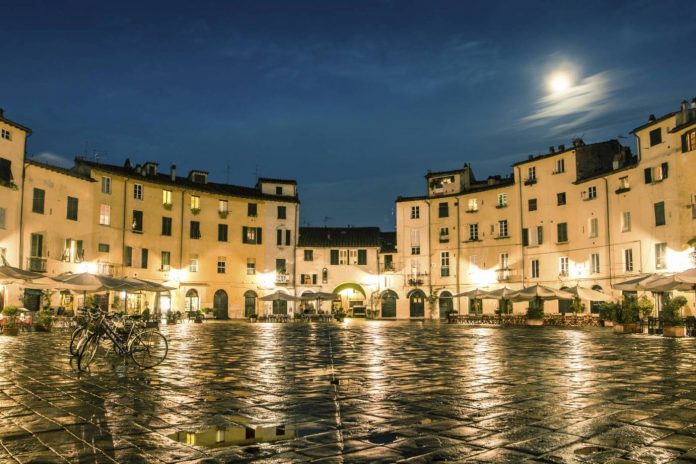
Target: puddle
x=241, y=432
x=383, y=438
x=589, y=450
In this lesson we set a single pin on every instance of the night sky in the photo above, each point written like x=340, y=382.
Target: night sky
x=355, y=100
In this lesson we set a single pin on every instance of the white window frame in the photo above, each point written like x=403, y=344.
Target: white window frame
x=531, y=173
x=593, y=227
x=503, y=228
x=193, y=264
x=591, y=192
x=563, y=266
x=628, y=259
x=223, y=206
x=104, y=214
x=626, y=221
x=473, y=231
x=221, y=265
x=502, y=199
x=166, y=197
x=594, y=263
x=138, y=191
x=661, y=255
x=415, y=212
x=560, y=166
x=106, y=185
x=534, y=266
x=473, y=204
x=195, y=202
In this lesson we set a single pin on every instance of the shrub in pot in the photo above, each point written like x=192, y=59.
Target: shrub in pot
x=606, y=312
x=339, y=315
x=535, y=312
x=207, y=311
x=10, y=314
x=626, y=316
x=44, y=321
x=672, y=317
x=198, y=317
x=645, y=307
x=577, y=306
x=171, y=317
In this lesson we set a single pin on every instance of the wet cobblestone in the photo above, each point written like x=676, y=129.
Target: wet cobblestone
x=366, y=391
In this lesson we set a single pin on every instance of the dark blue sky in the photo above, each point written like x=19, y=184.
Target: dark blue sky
x=356, y=100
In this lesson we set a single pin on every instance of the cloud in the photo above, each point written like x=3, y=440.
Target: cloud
x=51, y=158
x=578, y=106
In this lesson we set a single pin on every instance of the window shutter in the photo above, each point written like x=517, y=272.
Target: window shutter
x=80, y=250
x=665, y=170
x=648, y=175
x=685, y=143
x=66, y=250
x=525, y=237
x=334, y=257
x=258, y=235
x=362, y=257
x=279, y=237
x=244, y=234
x=540, y=234
x=287, y=237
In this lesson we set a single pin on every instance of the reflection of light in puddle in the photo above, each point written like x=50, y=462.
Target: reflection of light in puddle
x=243, y=432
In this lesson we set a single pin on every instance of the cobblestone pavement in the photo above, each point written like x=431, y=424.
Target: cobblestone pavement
x=363, y=391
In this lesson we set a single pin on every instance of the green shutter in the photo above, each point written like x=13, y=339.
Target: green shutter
x=80, y=250
x=665, y=170
x=244, y=234
x=648, y=175
x=540, y=234
x=660, y=213
x=685, y=143
x=334, y=257
x=258, y=235
x=525, y=237
x=362, y=257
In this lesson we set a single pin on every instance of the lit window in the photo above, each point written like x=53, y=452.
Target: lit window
x=563, y=266
x=594, y=263
x=660, y=255
x=138, y=191
x=106, y=184
x=535, y=268
x=195, y=203
x=221, y=265
x=167, y=197
x=502, y=200
x=444, y=264
x=623, y=183
x=193, y=263
x=473, y=204
x=222, y=206
x=626, y=221
x=251, y=266
x=105, y=215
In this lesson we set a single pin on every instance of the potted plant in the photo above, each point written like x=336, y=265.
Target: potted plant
x=10, y=315
x=626, y=316
x=645, y=307
x=577, y=306
x=535, y=312
x=208, y=312
x=606, y=313
x=171, y=317
x=44, y=321
x=672, y=317
x=253, y=317
x=198, y=317
x=339, y=315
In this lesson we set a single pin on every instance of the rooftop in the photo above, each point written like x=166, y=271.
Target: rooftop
x=347, y=237
x=12, y=123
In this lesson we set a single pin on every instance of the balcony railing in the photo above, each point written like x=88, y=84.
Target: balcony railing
x=530, y=181
x=106, y=269
x=282, y=278
x=507, y=275
x=36, y=264
x=388, y=267
x=444, y=238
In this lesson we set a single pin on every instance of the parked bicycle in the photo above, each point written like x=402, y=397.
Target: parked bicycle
x=146, y=347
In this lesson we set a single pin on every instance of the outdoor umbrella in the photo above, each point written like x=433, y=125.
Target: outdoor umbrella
x=588, y=294
x=687, y=277
x=541, y=292
x=476, y=293
x=502, y=294
x=280, y=296
x=322, y=296
x=92, y=283
x=637, y=283
x=13, y=275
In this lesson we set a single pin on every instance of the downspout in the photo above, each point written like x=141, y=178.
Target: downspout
x=123, y=232
x=430, y=252
x=519, y=182
x=459, y=248
x=181, y=233
x=21, y=204
x=294, y=249
x=606, y=193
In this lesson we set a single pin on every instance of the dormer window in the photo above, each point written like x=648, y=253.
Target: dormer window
x=150, y=168
x=198, y=177
x=279, y=190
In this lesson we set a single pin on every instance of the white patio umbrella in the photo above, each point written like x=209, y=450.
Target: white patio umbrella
x=503, y=293
x=280, y=296
x=588, y=294
x=14, y=275
x=476, y=293
x=687, y=277
x=637, y=283
x=541, y=292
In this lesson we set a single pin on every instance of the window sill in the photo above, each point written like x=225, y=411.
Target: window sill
x=502, y=237
x=589, y=198
x=501, y=206
x=470, y=211
x=473, y=240
x=561, y=204
x=557, y=172
x=136, y=231
x=565, y=242
x=623, y=190
x=530, y=181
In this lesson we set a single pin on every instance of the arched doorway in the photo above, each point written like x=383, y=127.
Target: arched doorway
x=280, y=307
x=220, y=304
x=249, y=303
x=351, y=295
x=192, y=302
x=595, y=305
x=445, y=304
x=389, y=298
x=416, y=303
x=564, y=306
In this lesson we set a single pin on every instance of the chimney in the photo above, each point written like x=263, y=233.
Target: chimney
x=2, y=112
x=561, y=147
x=552, y=149
x=173, y=170
x=693, y=105
x=651, y=118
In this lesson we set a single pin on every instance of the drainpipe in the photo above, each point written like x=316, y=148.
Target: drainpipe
x=459, y=249
x=519, y=182
x=21, y=204
x=294, y=249
x=181, y=232
x=123, y=232
x=606, y=194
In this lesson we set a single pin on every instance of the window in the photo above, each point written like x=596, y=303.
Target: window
x=222, y=232
x=251, y=235
x=37, y=205
x=106, y=185
x=280, y=233
x=105, y=215
x=36, y=250
x=5, y=134
x=656, y=174
x=166, y=226
x=103, y=248
x=563, y=266
x=473, y=232
x=502, y=200
x=593, y=228
x=223, y=207
x=324, y=276
x=628, y=259
x=308, y=279
x=591, y=192
x=561, y=198
x=444, y=264
x=533, y=236
x=281, y=267
x=443, y=210
x=343, y=257
x=362, y=257
x=251, y=210
x=72, y=209
x=531, y=173
x=309, y=255
x=532, y=204
x=444, y=235
x=282, y=212
x=594, y=263
x=623, y=184
x=562, y=230
x=334, y=257
x=137, y=221
x=138, y=191
x=165, y=258
x=221, y=265
x=560, y=166
x=535, y=268
x=279, y=190
x=689, y=141
x=128, y=256
x=2, y=218
x=195, y=203
x=473, y=204
x=504, y=261
x=626, y=221
x=279, y=237
x=73, y=251
x=415, y=212
x=144, y=256
x=195, y=230
x=353, y=257
x=193, y=263
x=655, y=136
x=503, y=228
x=415, y=250
x=5, y=172
x=659, y=213
x=251, y=266
x=167, y=197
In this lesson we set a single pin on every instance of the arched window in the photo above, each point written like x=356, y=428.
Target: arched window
x=416, y=302
x=191, y=302
x=594, y=305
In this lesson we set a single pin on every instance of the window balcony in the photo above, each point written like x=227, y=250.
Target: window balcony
x=621, y=190
x=415, y=282
x=36, y=264
x=507, y=275
x=530, y=181
x=501, y=205
x=387, y=267
x=444, y=238
x=282, y=278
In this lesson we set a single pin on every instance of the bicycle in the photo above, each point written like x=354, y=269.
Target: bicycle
x=146, y=347
x=83, y=318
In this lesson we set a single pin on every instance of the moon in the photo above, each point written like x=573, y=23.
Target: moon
x=559, y=82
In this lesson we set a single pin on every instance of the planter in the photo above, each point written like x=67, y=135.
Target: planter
x=607, y=324
x=12, y=331
x=627, y=328
x=535, y=322
x=198, y=321
x=674, y=331
x=41, y=328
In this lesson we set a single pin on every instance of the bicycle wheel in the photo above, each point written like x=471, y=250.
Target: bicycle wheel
x=75, y=340
x=148, y=348
x=87, y=352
